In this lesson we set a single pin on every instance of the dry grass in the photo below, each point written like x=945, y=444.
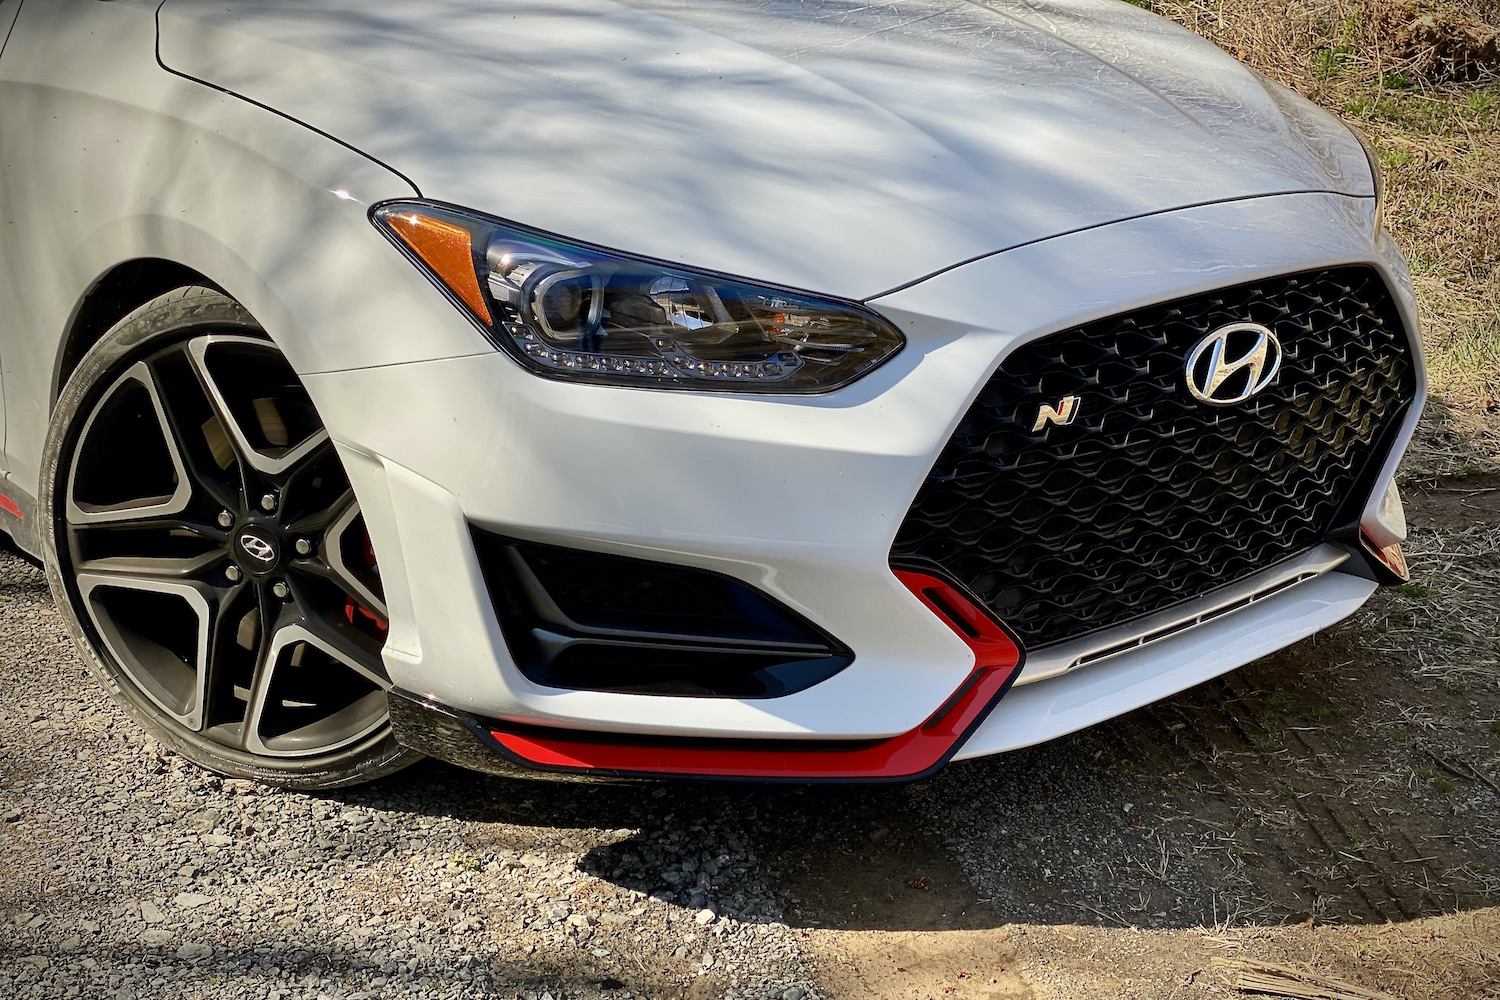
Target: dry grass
x=1447, y=615
x=1446, y=956
x=1422, y=80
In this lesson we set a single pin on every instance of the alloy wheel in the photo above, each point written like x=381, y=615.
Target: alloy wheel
x=218, y=553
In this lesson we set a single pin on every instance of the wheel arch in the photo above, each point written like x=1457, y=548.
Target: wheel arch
x=111, y=297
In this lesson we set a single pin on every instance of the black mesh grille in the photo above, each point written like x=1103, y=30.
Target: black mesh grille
x=1151, y=497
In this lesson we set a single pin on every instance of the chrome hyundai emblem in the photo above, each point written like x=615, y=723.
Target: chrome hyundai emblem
x=257, y=547
x=1233, y=363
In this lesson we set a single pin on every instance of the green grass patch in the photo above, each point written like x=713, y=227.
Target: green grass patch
x=1325, y=713
x=1483, y=102
x=1328, y=63
x=1268, y=742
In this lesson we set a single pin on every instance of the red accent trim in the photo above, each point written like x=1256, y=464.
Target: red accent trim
x=996, y=659
x=10, y=506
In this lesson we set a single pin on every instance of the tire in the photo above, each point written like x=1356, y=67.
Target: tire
x=208, y=555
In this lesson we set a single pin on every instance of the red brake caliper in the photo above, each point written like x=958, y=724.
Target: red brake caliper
x=352, y=607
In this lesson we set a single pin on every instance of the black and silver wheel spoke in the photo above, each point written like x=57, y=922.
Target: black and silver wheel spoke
x=271, y=431
x=221, y=556
x=316, y=687
x=128, y=464
x=346, y=557
x=158, y=630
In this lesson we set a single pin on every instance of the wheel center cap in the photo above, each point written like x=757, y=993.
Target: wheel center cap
x=259, y=548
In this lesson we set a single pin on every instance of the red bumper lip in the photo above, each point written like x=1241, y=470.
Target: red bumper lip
x=913, y=754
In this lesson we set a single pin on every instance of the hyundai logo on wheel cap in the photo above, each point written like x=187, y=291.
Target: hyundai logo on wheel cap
x=258, y=547
x=1233, y=363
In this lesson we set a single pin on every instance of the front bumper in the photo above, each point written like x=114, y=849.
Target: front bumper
x=509, y=748
x=799, y=497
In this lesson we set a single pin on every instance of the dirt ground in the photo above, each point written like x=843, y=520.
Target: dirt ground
x=1333, y=807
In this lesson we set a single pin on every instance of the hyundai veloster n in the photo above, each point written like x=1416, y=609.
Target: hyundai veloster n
x=808, y=390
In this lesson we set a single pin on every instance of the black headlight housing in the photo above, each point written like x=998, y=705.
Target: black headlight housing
x=576, y=312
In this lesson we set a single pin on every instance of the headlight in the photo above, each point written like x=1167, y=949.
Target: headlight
x=1376, y=174
x=576, y=312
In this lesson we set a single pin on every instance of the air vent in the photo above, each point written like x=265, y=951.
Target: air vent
x=593, y=622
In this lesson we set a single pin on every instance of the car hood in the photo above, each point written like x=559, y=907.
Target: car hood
x=845, y=147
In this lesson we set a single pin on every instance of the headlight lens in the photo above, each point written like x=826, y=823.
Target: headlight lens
x=576, y=312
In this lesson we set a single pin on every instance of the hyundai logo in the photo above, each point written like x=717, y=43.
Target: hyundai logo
x=257, y=548
x=1233, y=363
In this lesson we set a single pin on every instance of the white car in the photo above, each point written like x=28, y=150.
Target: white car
x=790, y=390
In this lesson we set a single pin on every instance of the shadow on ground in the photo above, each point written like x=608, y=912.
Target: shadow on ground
x=1291, y=790
x=1332, y=781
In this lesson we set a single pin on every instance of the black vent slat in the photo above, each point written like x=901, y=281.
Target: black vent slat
x=1151, y=497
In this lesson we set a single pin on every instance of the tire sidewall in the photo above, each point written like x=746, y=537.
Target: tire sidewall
x=166, y=319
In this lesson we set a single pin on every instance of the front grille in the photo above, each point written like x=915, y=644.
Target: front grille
x=1150, y=497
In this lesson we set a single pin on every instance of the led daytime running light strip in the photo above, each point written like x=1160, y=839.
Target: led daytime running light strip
x=672, y=364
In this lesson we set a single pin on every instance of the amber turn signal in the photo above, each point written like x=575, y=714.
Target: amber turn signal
x=448, y=251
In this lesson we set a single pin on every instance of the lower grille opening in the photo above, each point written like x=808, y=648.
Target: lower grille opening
x=593, y=622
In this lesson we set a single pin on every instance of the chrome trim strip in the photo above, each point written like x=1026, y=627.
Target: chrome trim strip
x=1049, y=661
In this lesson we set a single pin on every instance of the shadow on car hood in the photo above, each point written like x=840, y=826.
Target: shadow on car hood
x=839, y=146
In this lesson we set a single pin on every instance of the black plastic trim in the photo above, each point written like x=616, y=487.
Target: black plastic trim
x=562, y=632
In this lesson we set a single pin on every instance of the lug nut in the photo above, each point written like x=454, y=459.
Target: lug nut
x=303, y=547
x=280, y=589
x=225, y=519
x=233, y=572
x=268, y=502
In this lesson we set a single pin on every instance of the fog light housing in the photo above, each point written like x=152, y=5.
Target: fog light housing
x=587, y=621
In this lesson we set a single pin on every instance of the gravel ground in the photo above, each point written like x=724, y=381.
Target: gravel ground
x=1332, y=807
x=129, y=873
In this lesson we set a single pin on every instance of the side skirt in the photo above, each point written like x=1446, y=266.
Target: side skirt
x=18, y=519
